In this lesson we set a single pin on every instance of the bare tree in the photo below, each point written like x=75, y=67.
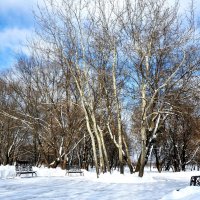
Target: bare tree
x=159, y=48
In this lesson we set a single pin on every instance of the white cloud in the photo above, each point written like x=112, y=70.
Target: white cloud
x=13, y=38
x=185, y=5
x=17, y=4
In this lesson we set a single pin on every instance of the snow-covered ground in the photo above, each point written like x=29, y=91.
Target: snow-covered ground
x=53, y=184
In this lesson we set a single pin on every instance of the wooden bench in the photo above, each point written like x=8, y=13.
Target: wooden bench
x=24, y=167
x=195, y=181
x=74, y=170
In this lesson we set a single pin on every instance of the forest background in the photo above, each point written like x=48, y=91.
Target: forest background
x=105, y=84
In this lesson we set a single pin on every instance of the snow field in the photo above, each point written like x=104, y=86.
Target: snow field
x=53, y=184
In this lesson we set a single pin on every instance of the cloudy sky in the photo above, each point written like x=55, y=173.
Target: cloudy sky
x=17, y=24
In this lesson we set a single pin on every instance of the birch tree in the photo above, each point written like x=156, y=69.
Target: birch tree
x=159, y=47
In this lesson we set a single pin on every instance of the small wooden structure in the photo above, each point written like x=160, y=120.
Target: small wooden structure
x=24, y=167
x=74, y=169
x=195, y=181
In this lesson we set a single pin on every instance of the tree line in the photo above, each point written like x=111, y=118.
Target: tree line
x=106, y=84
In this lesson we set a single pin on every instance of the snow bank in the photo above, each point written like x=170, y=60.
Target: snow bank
x=7, y=172
x=188, y=193
x=49, y=172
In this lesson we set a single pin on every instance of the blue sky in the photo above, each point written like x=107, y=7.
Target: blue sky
x=17, y=24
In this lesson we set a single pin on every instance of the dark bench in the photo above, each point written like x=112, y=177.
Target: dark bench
x=74, y=170
x=195, y=180
x=24, y=167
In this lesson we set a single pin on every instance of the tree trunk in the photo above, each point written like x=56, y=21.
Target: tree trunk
x=158, y=165
x=87, y=117
x=104, y=150
x=143, y=131
x=183, y=156
x=119, y=122
x=99, y=142
x=128, y=159
x=137, y=168
x=93, y=145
